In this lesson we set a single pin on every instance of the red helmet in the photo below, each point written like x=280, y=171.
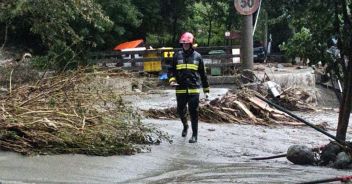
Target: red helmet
x=187, y=37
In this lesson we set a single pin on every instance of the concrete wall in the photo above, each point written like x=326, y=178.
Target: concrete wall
x=292, y=77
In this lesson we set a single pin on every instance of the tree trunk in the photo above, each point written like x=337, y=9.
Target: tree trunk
x=174, y=30
x=265, y=31
x=346, y=105
x=209, y=30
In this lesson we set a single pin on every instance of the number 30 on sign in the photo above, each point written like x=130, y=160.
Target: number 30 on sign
x=247, y=7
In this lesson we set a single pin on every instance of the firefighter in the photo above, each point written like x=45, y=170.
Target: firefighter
x=187, y=75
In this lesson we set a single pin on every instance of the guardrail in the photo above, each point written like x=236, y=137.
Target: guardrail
x=135, y=60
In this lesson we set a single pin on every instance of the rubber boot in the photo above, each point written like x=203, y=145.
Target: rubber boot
x=195, y=132
x=193, y=105
x=185, y=127
x=184, y=131
x=193, y=139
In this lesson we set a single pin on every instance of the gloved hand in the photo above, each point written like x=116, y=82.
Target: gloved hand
x=206, y=96
x=173, y=84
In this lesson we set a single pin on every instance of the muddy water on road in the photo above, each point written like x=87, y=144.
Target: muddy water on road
x=222, y=155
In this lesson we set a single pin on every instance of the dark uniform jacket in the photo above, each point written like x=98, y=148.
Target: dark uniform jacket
x=188, y=71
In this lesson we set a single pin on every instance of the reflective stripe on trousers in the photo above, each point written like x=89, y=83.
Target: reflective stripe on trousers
x=189, y=91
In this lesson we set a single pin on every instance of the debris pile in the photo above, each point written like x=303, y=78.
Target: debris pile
x=235, y=107
x=293, y=98
x=297, y=99
x=71, y=113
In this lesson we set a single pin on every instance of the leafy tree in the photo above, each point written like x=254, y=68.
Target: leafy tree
x=314, y=16
x=126, y=16
x=210, y=17
x=176, y=14
x=10, y=26
x=150, y=16
x=233, y=19
x=162, y=21
x=68, y=24
x=277, y=21
x=100, y=24
x=323, y=19
x=299, y=45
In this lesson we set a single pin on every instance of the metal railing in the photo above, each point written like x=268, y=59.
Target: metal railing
x=134, y=60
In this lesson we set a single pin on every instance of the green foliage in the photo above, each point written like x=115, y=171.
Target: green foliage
x=315, y=16
x=10, y=9
x=125, y=17
x=299, y=45
x=68, y=24
x=59, y=57
x=209, y=22
x=71, y=22
x=101, y=24
x=159, y=40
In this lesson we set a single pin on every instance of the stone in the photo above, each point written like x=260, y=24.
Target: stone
x=300, y=154
x=329, y=153
x=343, y=160
x=279, y=66
x=3, y=90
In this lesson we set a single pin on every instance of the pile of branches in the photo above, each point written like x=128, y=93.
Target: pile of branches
x=235, y=107
x=297, y=99
x=71, y=113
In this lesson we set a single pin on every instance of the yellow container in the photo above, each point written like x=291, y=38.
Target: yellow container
x=152, y=66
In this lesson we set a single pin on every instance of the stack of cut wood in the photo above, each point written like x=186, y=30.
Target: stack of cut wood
x=235, y=107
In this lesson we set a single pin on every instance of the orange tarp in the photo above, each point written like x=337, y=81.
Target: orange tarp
x=128, y=45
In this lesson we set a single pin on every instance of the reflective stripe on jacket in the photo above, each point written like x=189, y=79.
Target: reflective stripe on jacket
x=188, y=71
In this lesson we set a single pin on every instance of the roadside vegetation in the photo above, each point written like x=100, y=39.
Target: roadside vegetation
x=75, y=112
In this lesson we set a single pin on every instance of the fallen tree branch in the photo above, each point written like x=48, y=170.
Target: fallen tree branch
x=10, y=87
x=72, y=113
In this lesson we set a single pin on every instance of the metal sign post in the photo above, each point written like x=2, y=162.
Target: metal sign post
x=247, y=8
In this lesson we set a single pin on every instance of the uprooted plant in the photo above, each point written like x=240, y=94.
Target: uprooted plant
x=71, y=113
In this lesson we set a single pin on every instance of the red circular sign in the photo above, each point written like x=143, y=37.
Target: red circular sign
x=247, y=7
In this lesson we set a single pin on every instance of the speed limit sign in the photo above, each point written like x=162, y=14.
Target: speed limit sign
x=247, y=7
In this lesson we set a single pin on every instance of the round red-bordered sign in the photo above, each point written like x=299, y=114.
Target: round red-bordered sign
x=247, y=7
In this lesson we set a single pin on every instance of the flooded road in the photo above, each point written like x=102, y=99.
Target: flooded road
x=222, y=155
